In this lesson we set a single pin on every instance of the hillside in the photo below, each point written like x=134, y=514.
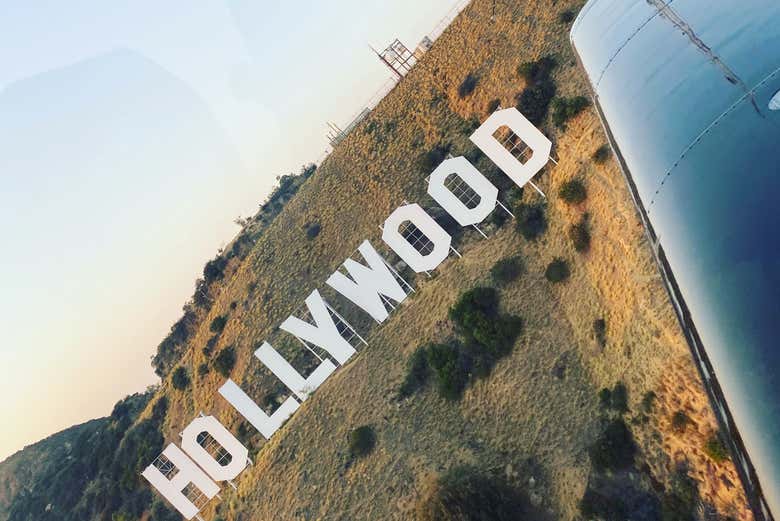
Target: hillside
x=535, y=421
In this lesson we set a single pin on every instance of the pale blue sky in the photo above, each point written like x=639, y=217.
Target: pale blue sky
x=131, y=136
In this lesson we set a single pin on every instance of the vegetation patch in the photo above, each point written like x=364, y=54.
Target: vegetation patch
x=432, y=158
x=615, y=448
x=557, y=271
x=566, y=17
x=573, y=191
x=534, y=100
x=468, y=85
x=600, y=330
x=680, y=421
x=580, y=236
x=218, y=324
x=312, y=230
x=180, y=379
x=492, y=106
x=601, y=154
x=506, y=270
x=362, y=441
x=565, y=109
x=715, y=449
x=465, y=494
x=225, y=361
x=531, y=222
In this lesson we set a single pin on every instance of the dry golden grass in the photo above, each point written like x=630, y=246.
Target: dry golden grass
x=523, y=420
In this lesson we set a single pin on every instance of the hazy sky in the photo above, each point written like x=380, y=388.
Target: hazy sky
x=131, y=136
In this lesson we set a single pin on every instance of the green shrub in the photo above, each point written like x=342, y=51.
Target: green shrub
x=218, y=324
x=531, y=222
x=465, y=494
x=534, y=100
x=537, y=71
x=566, y=16
x=313, y=230
x=431, y=159
x=557, y=271
x=362, y=441
x=225, y=361
x=573, y=191
x=506, y=270
x=601, y=154
x=600, y=330
x=468, y=85
x=715, y=449
x=417, y=373
x=614, y=449
x=180, y=379
x=203, y=369
x=493, y=105
x=476, y=315
x=580, y=236
x=445, y=361
x=680, y=421
x=566, y=108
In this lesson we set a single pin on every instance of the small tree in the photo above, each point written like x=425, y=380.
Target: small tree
x=573, y=191
x=468, y=85
x=680, y=421
x=601, y=154
x=566, y=16
x=362, y=441
x=715, y=449
x=565, y=109
x=580, y=236
x=218, y=324
x=506, y=270
x=225, y=361
x=557, y=271
x=180, y=379
x=531, y=222
x=313, y=230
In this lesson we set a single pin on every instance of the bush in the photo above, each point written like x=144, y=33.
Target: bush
x=580, y=236
x=537, y=71
x=595, y=505
x=605, y=398
x=313, y=230
x=465, y=494
x=476, y=315
x=218, y=324
x=566, y=108
x=573, y=191
x=680, y=421
x=534, y=100
x=531, y=222
x=362, y=441
x=493, y=105
x=614, y=449
x=715, y=449
x=180, y=379
x=601, y=154
x=203, y=369
x=600, y=330
x=468, y=85
x=566, y=16
x=225, y=361
x=506, y=270
x=451, y=378
x=431, y=159
x=417, y=373
x=557, y=271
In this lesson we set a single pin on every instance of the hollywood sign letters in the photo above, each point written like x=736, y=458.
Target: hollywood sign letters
x=368, y=287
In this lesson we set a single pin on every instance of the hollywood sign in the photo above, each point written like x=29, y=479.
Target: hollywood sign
x=187, y=477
